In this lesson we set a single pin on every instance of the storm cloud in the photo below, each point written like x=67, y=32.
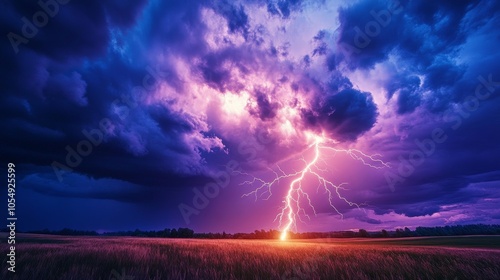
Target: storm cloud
x=157, y=96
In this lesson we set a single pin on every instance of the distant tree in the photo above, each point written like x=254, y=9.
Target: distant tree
x=363, y=233
x=385, y=233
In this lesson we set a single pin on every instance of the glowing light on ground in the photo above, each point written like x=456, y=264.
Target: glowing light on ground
x=297, y=194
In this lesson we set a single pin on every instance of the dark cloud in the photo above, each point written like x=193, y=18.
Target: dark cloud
x=70, y=87
x=425, y=38
x=409, y=91
x=266, y=108
x=442, y=74
x=272, y=9
x=465, y=159
x=368, y=220
x=344, y=115
x=176, y=24
x=408, y=101
x=429, y=198
x=74, y=30
x=417, y=31
x=215, y=67
x=338, y=82
x=214, y=73
x=445, y=16
x=123, y=14
x=283, y=8
x=52, y=97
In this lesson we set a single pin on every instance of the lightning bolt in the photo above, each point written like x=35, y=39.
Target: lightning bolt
x=292, y=209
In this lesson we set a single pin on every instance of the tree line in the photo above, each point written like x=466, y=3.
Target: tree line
x=474, y=229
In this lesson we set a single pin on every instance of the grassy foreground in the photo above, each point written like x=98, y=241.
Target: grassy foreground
x=55, y=257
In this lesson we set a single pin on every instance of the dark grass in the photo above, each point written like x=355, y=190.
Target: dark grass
x=56, y=257
x=492, y=242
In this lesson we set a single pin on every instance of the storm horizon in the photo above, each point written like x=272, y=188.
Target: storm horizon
x=208, y=114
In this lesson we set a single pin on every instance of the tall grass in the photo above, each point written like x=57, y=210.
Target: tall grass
x=142, y=258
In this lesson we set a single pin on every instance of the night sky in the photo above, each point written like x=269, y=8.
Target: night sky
x=120, y=116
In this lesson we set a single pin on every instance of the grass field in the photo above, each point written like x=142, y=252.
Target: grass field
x=121, y=258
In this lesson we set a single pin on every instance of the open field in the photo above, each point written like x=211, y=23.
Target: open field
x=121, y=258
